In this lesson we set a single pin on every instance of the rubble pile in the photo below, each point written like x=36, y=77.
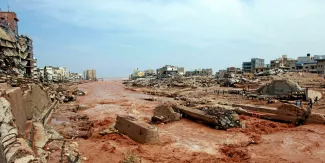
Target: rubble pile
x=71, y=124
x=225, y=118
x=220, y=118
x=165, y=113
x=178, y=81
x=62, y=93
x=238, y=82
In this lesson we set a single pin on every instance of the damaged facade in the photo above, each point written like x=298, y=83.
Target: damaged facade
x=16, y=51
x=169, y=70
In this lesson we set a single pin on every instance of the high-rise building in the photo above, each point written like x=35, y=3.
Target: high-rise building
x=90, y=75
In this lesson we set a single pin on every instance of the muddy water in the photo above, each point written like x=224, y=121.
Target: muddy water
x=187, y=141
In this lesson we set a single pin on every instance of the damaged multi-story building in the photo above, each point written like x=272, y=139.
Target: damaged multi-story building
x=169, y=70
x=284, y=63
x=16, y=51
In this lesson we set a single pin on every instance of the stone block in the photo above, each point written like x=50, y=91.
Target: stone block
x=136, y=130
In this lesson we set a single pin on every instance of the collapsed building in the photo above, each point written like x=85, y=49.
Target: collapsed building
x=199, y=72
x=169, y=71
x=16, y=52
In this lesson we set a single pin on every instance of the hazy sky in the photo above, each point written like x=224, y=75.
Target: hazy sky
x=117, y=36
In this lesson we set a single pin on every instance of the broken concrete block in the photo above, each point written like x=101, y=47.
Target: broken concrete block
x=165, y=113
x=288, y=109
x=311, y=94
x=136, y=130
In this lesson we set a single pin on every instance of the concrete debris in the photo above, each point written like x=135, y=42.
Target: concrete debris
x=182, y=82
x=137, y=130
x=72, y=153
x=165, y=113
x=78, y=93
x=280, y=87
x=216, y=117
x=71, y=124
x=111, y=130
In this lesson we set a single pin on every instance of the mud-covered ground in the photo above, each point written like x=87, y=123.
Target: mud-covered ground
x=188, y=141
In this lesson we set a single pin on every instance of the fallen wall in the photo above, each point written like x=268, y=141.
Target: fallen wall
x=11, y=147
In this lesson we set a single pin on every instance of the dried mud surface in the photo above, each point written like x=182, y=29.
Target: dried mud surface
x=188, y=141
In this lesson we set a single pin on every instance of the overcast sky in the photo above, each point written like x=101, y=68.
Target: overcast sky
x=117, y=36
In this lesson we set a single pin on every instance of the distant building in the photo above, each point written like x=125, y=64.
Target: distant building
x=90, y=75
x=181, y=70
x=234, y=70
x=36, y=73
x=284, y=63
x=253, y=64
x=149, y=72
x=247, y=66
x=167, y=71
x=200, y=72
x=257, y=63
x=221, y=73
x=320, y=63
x=306, y=64
x=48, y=73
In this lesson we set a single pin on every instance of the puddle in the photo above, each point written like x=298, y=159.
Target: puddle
x=59, y=121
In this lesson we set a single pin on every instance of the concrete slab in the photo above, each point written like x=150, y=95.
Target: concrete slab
x=257, y=108
x=40, y=138
x=36, y=101
x=136, y=130
x=15, y=97
x=198, y=115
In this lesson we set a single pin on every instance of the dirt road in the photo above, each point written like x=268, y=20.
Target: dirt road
x=187, y=141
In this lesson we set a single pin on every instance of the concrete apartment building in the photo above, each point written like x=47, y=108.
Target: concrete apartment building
x=320, y=64
x=255, y=63
x=306, y=64
x=247, y=67
x=284, y=63
x=90, y=75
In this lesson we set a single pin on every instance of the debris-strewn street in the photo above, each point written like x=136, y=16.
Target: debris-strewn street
x=206, y=85
x=187, y=140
